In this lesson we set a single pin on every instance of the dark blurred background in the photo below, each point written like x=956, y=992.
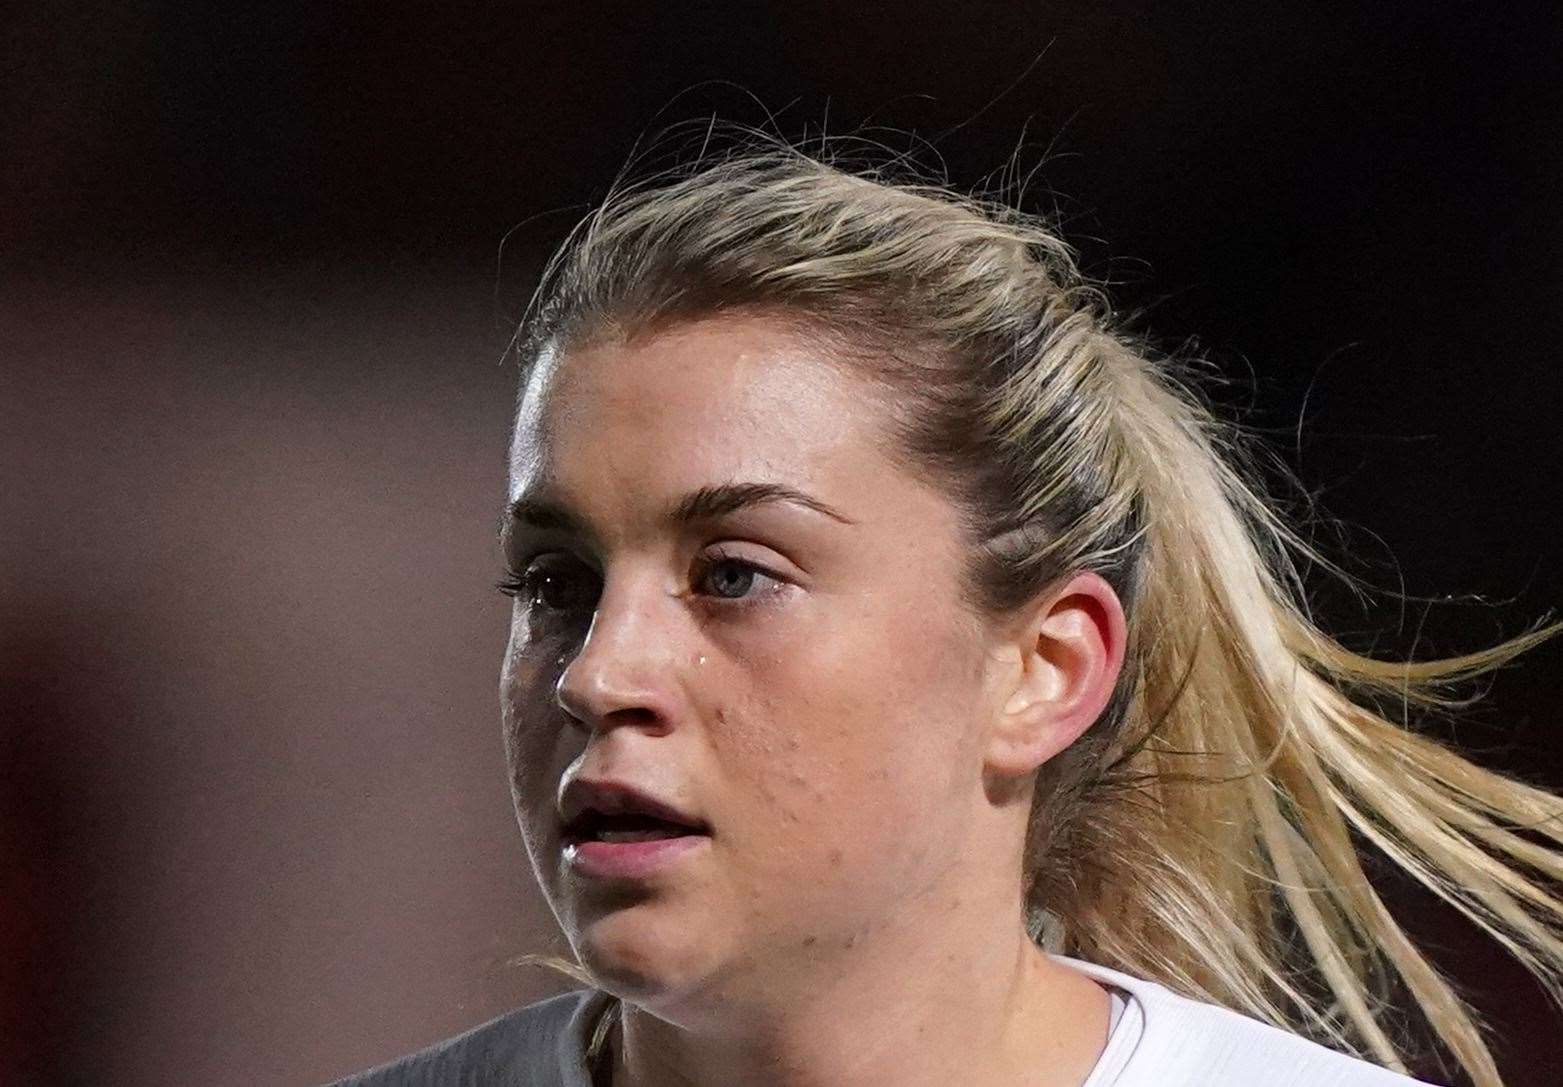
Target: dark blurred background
x=253, y=820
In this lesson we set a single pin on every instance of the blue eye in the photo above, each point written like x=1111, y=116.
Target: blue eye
x=540, y=587
x=557, y=588
x=739, y=577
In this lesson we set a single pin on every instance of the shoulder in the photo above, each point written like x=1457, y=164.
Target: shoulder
x=534, y=1044
x=1186, y=1041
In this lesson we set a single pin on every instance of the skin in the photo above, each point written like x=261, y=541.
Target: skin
x=862, y=747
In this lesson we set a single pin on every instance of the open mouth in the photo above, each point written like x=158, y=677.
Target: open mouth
x=629, y=846
x=595, y=826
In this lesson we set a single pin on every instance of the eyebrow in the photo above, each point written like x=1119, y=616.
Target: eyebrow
x=702, y=504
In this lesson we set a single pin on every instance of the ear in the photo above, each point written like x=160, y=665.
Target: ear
x=1058, y=663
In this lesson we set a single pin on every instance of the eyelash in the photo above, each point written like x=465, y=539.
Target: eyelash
x=524, y=585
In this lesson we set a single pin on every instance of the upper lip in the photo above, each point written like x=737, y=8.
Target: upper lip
x=610, y=797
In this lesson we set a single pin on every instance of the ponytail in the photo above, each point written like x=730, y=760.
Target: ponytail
x=1204, y=832
x=1249, y=754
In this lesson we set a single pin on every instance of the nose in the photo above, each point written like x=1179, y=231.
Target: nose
x=623, y=671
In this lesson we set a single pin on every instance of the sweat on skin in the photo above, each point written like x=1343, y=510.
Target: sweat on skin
x=860, y=744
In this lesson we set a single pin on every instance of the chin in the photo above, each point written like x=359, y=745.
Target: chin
x=636, y=956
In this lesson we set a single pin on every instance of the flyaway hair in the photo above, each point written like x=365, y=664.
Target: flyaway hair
x=1205, y=832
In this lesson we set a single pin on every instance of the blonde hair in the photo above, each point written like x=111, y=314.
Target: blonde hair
x=1200, y=834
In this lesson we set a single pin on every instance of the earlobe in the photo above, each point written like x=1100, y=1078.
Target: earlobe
x=1066, y=658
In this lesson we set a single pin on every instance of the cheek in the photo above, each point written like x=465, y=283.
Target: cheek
x=535, y=744
x=853, y=736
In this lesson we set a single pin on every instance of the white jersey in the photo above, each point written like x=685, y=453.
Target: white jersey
x=1157, y=1039
x=1161, y=1039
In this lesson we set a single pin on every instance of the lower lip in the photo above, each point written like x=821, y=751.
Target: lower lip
x=629, y=860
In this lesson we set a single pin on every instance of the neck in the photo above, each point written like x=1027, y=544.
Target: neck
x=1007, y=1015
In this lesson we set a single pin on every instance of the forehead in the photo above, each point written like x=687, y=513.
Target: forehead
x=725, y=397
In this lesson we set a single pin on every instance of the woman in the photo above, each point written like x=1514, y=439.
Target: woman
x=909, y=683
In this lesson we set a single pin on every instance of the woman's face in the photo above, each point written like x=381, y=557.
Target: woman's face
x=806, y=684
